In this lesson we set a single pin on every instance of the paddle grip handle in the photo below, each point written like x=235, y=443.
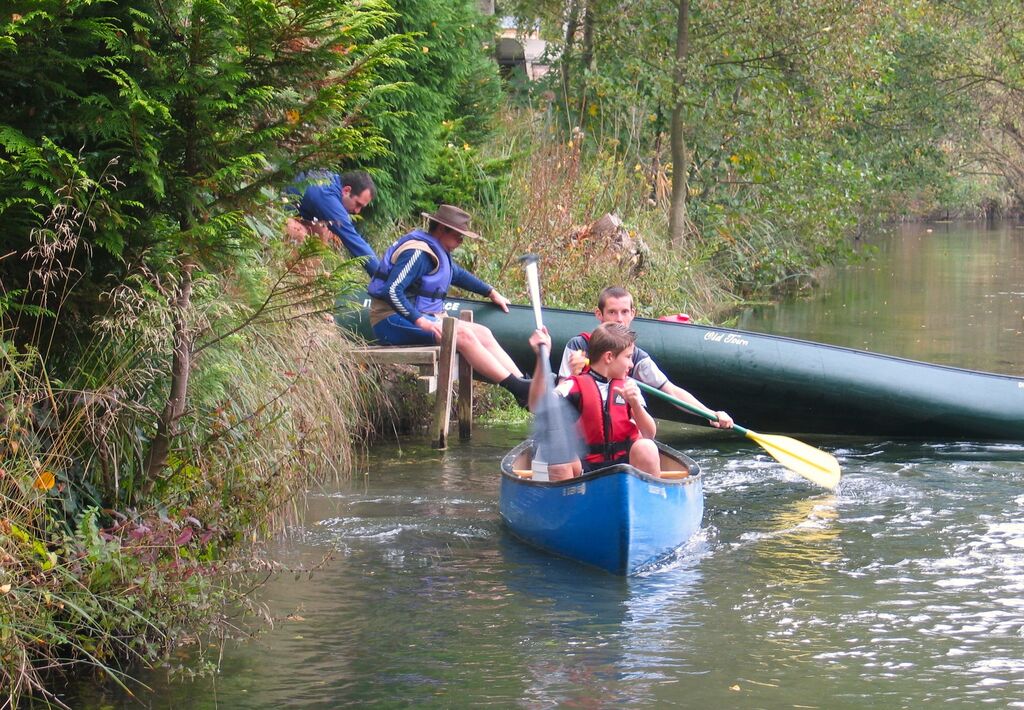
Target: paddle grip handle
x=533, y=285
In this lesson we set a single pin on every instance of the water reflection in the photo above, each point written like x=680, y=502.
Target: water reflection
x=949, y=294
x=798, y=543
x=606, y=640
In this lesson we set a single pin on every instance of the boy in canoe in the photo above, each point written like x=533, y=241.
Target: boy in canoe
x=615, y=305
x=613, y=420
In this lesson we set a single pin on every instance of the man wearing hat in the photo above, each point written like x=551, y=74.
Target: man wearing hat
x=407, y=297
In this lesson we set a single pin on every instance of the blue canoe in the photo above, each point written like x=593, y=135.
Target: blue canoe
x=615, y=518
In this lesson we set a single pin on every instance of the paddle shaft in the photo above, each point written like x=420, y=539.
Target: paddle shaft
x=555, y=430
x=692, y=408
x=533, y=285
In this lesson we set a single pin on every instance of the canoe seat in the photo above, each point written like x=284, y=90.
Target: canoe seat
x=523, y=473
x=674, y=474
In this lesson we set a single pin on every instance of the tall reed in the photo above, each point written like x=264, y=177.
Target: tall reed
x=100, y=567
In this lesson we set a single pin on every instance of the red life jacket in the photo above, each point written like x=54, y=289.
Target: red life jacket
x=607, y=430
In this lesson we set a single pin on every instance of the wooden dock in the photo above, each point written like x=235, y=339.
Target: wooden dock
x=436, y=365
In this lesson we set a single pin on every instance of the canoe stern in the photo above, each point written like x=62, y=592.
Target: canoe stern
x=618, y=519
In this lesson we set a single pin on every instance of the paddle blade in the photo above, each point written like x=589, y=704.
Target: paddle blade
x=554, y=423
x=554, y=430
x=813, y=464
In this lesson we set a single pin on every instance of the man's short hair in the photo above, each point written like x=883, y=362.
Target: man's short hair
x=609, y=338
x=612, y=292
x=360, y=181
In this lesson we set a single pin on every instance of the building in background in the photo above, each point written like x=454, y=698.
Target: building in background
x=521, y=51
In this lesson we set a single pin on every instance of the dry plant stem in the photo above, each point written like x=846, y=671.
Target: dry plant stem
x=275, y=292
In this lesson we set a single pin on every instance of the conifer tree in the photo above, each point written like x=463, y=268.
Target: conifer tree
x=154, y=136
x=451, y=82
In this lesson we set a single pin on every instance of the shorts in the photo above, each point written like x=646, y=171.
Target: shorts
x=396, y=330
x=589, y=466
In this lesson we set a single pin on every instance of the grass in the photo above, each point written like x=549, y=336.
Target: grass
x=100, y=567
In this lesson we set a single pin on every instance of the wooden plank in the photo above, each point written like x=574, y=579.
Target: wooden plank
x=446, y=365
x=426, y=355
x=465, y=405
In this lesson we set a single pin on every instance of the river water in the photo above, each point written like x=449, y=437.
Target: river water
x=951, y=294
x=906, y=586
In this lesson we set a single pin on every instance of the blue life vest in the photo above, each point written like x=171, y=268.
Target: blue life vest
x=431, y=289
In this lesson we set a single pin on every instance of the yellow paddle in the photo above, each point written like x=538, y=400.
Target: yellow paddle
x=813, y=464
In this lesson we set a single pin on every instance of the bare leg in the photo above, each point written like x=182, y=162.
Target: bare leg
x=486, y=339
x=643, y=454
x=482, y=359
x=564, y=471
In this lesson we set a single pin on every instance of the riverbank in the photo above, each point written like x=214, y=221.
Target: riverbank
x=101, y=566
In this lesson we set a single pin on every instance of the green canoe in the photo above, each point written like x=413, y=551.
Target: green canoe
x=783, y=385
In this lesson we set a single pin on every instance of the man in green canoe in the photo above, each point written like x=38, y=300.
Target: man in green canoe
x=615, y=305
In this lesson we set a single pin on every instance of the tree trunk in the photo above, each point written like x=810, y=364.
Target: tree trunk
x=653, y=176
x=587, y=55
x=181, y=367
x=586, y=58
x=571, y=25
x=677, y=215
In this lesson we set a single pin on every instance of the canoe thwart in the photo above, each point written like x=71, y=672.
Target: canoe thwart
x=674, y=474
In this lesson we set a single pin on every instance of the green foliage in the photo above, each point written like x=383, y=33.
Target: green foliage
x=189, y=108
x=451, y=92
x=273, y=407
x=985, y=154
x=798, y=122
x=98, y=596
x=141, y=147
x=462, y=176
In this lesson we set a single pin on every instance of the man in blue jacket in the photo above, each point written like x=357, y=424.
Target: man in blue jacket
x=326, y=204
x=407, y=294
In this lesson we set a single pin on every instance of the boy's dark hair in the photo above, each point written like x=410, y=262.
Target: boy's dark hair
x=359, y=181
x=612, y=292
x=609, y=338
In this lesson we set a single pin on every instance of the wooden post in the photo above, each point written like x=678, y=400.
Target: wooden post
x=465, y=405
x=445, y=368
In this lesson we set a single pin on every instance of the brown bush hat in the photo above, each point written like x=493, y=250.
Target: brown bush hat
x=454, y=218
